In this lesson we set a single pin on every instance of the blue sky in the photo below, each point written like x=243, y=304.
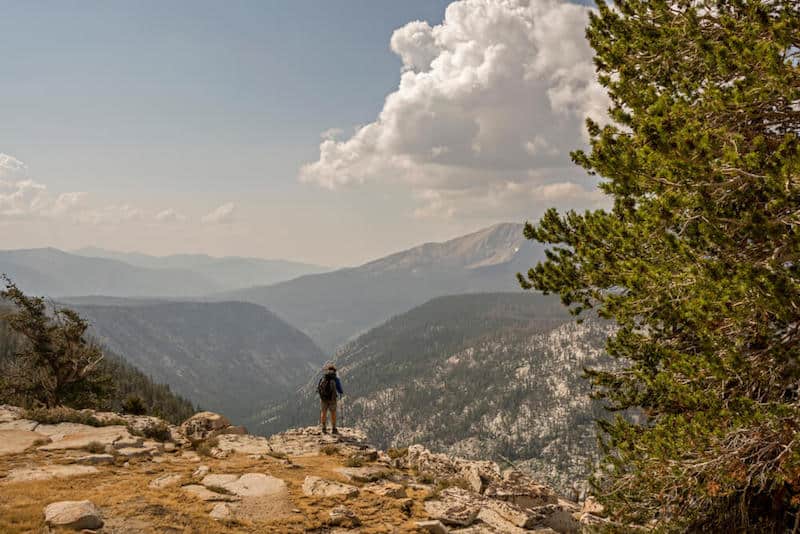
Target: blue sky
x=185, y=126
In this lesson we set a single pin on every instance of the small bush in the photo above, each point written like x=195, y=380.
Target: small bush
x=330, y=450
x=41, y=441
x=134, y=405
x=205, y=446
x=397, y=453
x=426, y=478
x=158, y=431
x=353, y=461
x=54, y=416
x=95, y=447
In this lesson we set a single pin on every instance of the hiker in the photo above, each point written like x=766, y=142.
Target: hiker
x=329, y=389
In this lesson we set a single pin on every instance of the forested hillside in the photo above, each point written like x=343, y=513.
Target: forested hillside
x=229, y=357
x=127, y=381
x=485, y=375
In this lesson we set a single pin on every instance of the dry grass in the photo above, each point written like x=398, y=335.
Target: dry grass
x=126, y=499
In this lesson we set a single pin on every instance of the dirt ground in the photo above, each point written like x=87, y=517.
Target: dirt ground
x=129, y=505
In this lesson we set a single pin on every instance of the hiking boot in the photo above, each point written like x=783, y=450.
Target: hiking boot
x=324, y=430
x=334, y=430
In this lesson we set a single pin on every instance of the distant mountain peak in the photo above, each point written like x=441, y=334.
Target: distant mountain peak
x=497, y=244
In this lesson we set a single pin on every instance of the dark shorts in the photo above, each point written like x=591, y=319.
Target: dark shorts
x=328, y=405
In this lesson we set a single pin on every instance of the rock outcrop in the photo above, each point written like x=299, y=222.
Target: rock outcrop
x=296, y=481
x=75, y=515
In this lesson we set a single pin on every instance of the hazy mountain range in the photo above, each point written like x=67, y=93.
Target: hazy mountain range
x=335, y=306
x=228, y=272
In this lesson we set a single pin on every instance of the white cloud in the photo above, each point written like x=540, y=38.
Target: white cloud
x=108, y=215
x=490, y=101
x=22, y=197
x=169, y=215
x=220, y=215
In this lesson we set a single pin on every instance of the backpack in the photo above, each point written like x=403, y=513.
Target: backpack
x=327, y=388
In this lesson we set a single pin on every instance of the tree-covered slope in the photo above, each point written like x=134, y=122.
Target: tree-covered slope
x=127, y=381
x=225, y=356
x=483, y=375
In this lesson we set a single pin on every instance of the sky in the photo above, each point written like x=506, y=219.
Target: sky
x=326, y=132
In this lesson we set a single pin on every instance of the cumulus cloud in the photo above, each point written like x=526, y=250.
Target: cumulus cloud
x=220, y=215
x=22, y=197
x=169, y=215
x=113, y=214
x=490, y=103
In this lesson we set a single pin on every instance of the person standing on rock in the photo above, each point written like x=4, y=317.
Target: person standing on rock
x=329, y=389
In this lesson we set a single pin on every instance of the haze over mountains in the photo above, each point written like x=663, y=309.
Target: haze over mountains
x=92, y=271
x=335, y=306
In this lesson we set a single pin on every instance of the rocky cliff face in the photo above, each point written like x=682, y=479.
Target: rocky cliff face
x=139, y=474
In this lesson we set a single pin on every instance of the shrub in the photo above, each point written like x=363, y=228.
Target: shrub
x=330, y=450
x=397, y=453
x=353, y=461
x=95, y=447
x=134, y=405
x=204, y=447
x=158, y=430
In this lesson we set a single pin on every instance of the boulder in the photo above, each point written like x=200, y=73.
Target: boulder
x=95, y=459
x=479, y=474
x=454, y=506
x=17, y=441
x=10, y=413
x=384, y=488
x=256, y=485
x=200, y=472
x=136, y=452
x=223, y=511
x=519, y=489
x=75, y=515
x=363, y=474
x=46, y=472
x=73, y=437
x=166, y=481
x=319, y=487
x=244, y=444
x=218, y=480
x=342, y=516
x=204, y=425
x=432, y=527
x=205, y=494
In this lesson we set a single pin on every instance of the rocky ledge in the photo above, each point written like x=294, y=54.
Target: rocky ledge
x=140, y=474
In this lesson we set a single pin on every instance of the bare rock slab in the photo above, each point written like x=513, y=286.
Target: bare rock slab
x=205, y=494
x=46, y=472
x=319, y=487
x=75, y=515
x=80, y=436
x=95, y=459
x=166, y=481
x=455, y=506
x=432, y=527
x=17, y=441
x=363, y=474
x=385, y=488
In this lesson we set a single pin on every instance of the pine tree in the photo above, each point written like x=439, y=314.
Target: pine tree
x=697, y=261
x=56, y=365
